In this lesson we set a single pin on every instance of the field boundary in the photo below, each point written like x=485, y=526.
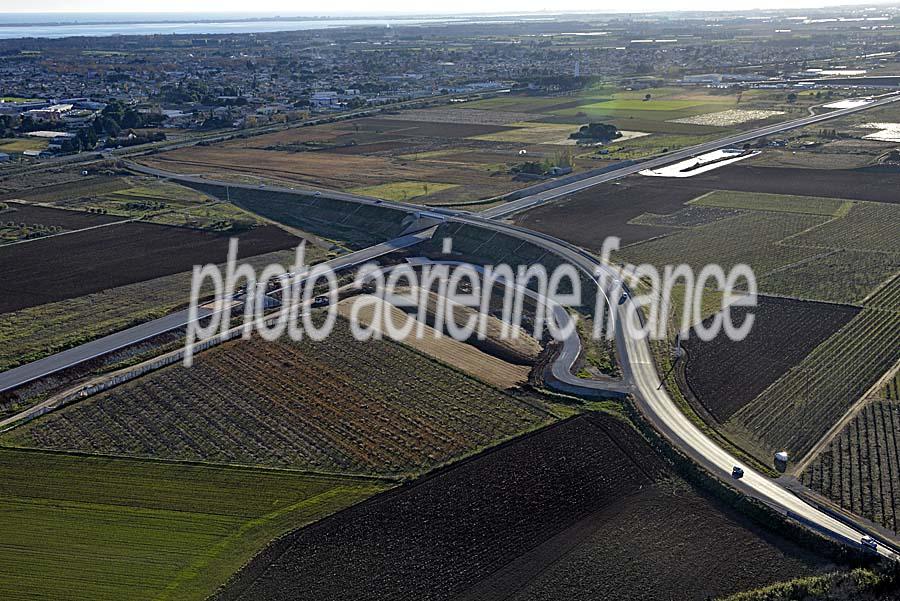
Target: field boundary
x=767, y=516
x=330, y=476
x=234, y=587
x=845, y=419
x=111, y=380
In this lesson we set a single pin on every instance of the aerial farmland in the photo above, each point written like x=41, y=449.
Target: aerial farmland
x=429, y=308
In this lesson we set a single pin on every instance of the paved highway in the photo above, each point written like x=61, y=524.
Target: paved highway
x=639, y=369
x=528, y=202
x=638, y=366
x=29, y=372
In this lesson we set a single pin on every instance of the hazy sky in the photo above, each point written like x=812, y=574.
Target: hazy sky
x=288, y=7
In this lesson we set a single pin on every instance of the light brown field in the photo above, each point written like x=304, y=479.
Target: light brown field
x=460, y=355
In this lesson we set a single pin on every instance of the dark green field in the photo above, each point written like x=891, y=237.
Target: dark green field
x=93, y=529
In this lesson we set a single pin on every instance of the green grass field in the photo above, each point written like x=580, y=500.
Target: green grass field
x=22, y=144
x=93, y=529
x=635, y=104
x=403, y=190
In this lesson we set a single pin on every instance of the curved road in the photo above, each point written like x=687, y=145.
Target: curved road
x=639, y=369
x=638, y=366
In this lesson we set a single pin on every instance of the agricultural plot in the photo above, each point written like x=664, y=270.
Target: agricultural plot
x=348, y=224
x=11, y=145
x=860, y=468
x=724, y=375
x=844, y=184
x=660, y=114
x=334, y=170
x=82, y=187
x=866, y=227
x=80, y=263
x=521, y=104
x=891, y=389
x=621, y=542
x=19, y=221
x=59, y=218
x=687, y=217
x=100, y=529
x=798, y=409
x=639, y=147
x=587, y=218
x=339, y=405
x=887, y=297
x=729, y=117
x=163, y=202
x=533, y=133
x=385, y=151
x=753, y=238
x=557, y=506
x=35, y=332
x=780, y=203
x=468, y=115
x=443, y=348
x=837, y=276
x=403, y=191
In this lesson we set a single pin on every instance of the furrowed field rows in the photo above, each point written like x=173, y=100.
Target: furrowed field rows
x=868, y=226
x=887, y=298
x=860, y=469
x=750, y=239
x=338, y=405
x=891, y=390
x=552, y=516
x=725, y=375
x=781, y=203
x=837, y=276
x=31, y=333
x=797, y=410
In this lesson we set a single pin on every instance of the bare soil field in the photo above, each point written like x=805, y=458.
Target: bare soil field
x=332, y=170
x=75, y=188
x=80, y=263
x=617, y=553
x=832, y=183
x=860, y=469
x=589, y=483
x=588, y=217
x=35, y=332
x=67, y=220
x=339, y=406
x=724, y=375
